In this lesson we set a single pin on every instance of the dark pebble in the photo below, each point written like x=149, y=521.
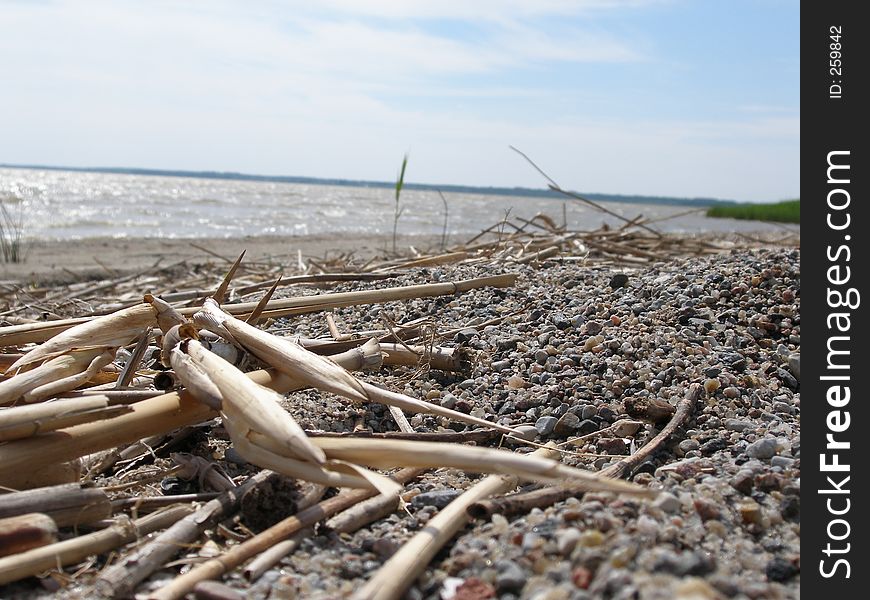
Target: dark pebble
x=743, y=481
x=587, y=426
x=713, y=446
x=466, y=334
x=510, y=577
x=787, y=378
x=790, y=508
x=619, y=280
x=780, y=569
x=546, y=425
x=437, y=498
x=567, y=424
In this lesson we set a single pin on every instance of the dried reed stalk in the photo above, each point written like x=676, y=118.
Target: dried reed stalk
x=216, y=567
x=25, y=532
x=24, y=421
x=317, y=371
x=111, y=331
x=400, y=571
x=386, y=454
x=40, y=332
x=123, y=531
x=14, y=388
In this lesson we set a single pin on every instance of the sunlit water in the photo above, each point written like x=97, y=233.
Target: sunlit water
x=65, y=205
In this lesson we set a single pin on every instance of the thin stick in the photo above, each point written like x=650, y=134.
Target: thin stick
x=123, y=577
x=524, y=502
x=124, y=531
x=556, y=188
x=400, y=571
x=215, y=567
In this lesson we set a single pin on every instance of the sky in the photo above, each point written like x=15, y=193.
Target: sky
x=686, y=98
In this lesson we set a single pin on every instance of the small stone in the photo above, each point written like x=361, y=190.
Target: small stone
x=762, y=449
x=780, y=569
x=625, y=427
x=567, y=424
x=466, y=334
x=737, y=425
x=473, y=588
x=706, y=509
x=794, y=364
x=783, y=462
x=541, y=357
x=438, y=498
x=647, y=526
x=711, y=385
x=515, y=382
x=750, y=512
x=587, y=426
x=566, y=540
x=594, y=327
x=510, y=577
x=695, y=588
x=612, y=446
x=546, y=425
x=667, y=502
x=384, y=547
x=688, y=445
x=581, y=577
x=615, y=320
x=588, y=412
x=500, y=365
x=743, y=481
x=591, y=538
x=448, y=401
x=207, y=590
x=526, y=432
x=787, y=378
x=731, y=392
x=619, y=280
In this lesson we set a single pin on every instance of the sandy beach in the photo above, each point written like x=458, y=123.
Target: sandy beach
x=47, y=262
x=571, y=351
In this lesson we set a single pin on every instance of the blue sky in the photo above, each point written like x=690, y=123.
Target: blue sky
x=656, y=97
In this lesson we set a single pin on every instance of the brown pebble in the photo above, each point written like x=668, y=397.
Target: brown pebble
x=651, y=409
x=711, y=385
x=706, y=510
x=474, y=588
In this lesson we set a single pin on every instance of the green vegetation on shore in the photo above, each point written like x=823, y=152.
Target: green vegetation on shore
x=787, y=211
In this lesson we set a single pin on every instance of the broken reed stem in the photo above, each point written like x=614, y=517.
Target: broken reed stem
x=122, y=578
x=153, y=416
x=400, y=571
x=215, y=567
x=524, y=502
x=123, y=531
x=16, y=335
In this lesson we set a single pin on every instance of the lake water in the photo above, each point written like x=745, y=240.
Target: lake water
x=67, y=205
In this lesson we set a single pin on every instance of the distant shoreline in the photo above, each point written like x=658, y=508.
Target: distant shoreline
x=456, y=189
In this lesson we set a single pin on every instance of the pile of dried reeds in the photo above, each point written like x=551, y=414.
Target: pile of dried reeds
x=81, y=397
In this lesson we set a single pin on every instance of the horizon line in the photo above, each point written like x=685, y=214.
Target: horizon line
x=456, y=188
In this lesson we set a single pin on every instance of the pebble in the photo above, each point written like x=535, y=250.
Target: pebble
x=510, y=577
x=668, y=503
x=711, y=385
x=794, y=364
x=782, y=461
x=546, y=425
x=566, y=425
x=762, y=449
x=566, y=540
x=438, y=498
x=738, y=424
